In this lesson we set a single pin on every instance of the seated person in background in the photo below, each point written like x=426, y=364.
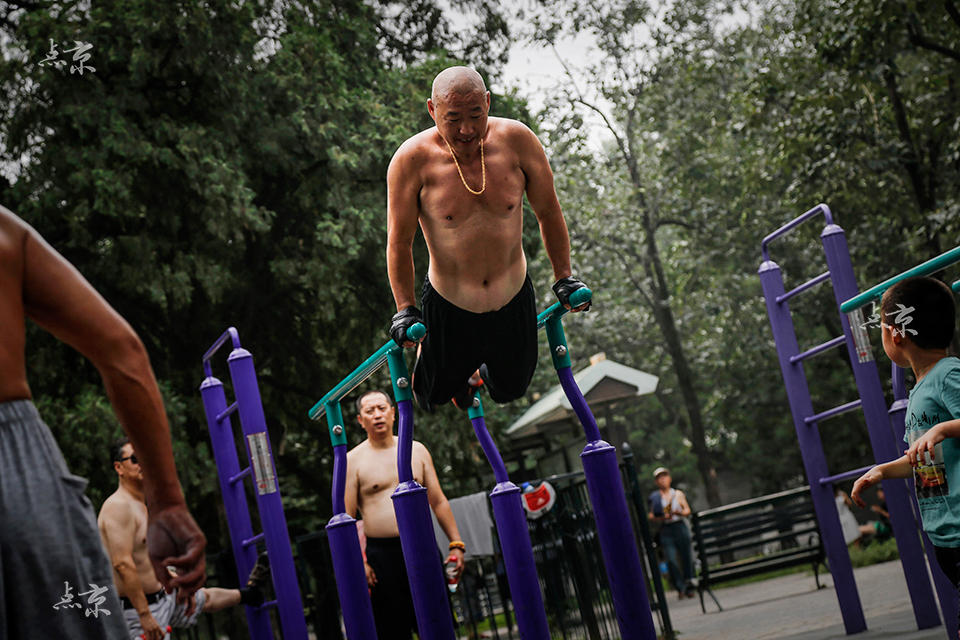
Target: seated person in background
x=147, y=609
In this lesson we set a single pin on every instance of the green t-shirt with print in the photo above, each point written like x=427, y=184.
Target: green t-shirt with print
x=935, y=399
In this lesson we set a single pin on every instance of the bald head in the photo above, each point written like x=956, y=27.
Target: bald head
x=456, y=81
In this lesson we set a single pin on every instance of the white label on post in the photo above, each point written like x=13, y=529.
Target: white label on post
x=858, y=327
x=262, y=463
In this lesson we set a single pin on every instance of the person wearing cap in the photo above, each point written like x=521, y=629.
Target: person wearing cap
x=669, y=507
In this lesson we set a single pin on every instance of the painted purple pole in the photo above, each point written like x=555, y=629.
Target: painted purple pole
x=882, y=441
x=617, y=541
x=946, y=592
x=418, y=541
x=234, y=496
x=811, y=448
x=269, y=500
x=610, y=511
x=345, y=551
x=511, y=521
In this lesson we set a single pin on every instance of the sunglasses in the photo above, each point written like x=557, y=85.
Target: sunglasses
x=132, y=458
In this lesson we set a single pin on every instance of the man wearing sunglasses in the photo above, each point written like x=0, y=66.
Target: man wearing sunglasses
x=147, y=609
x=48, y=530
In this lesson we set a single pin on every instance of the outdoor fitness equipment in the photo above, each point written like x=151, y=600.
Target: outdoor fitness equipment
x=885, y=444
x=269, y=502
x=418, y=542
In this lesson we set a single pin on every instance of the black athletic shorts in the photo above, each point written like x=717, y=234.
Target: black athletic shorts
x=459, y=341
x=392, y=603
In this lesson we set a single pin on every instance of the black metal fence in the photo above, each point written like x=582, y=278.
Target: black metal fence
x=569, y=562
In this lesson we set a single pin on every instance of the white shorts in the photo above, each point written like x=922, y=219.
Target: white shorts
x=167, y=612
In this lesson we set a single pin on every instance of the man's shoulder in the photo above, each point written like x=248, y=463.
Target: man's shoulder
x=117, y=506
x=417, y=147
x=512, y=129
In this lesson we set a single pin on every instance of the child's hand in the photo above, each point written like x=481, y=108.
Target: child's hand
x=925, y=444
x=868, y=479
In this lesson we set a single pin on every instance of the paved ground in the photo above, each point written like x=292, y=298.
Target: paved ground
x=792, y=608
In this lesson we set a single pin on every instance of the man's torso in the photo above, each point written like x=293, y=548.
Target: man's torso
x=377, y=479
x=138, y=510
x=476, y=254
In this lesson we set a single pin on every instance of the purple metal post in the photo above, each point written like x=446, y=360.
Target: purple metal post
x=417, y=539
x=269, y=501
x=617, y=540
x=515, y=543
x=946, y=592
x=881, y=437
x=234, y=496
x=811, y=448
x=345, y=551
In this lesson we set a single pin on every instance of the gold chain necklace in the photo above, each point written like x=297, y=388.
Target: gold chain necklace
x=483, y=169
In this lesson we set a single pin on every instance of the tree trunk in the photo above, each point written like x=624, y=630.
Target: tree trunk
x=663, y=313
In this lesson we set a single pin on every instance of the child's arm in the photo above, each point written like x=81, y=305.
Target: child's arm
x=899, y=468
x=931, y=438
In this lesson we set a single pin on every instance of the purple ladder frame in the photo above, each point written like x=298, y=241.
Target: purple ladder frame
x=269, y=501
x=806, y=424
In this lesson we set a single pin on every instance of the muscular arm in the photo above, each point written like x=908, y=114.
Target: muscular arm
x=439, y=503
x=403, y=187
x=543, y=199
x=117, y=530
x=61, y=301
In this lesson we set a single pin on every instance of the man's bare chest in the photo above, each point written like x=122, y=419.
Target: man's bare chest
x=379, y=473
x=444, y=197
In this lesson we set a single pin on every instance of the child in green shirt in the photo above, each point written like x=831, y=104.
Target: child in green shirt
x=919, y=321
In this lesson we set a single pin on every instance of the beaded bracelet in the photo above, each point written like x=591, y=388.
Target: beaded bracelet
x=458, y=544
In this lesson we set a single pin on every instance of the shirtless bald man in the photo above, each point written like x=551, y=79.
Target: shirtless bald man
x=48, y=534
x=463, y=182
x=371, y=480
x=147, y=609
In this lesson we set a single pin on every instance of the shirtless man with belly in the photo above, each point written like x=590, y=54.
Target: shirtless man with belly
x=463, y=182
x=371, y=479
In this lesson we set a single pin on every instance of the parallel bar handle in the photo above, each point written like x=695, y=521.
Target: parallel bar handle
x=230, y=333
x=366, y=369
x=930, y=266
x=556, y=310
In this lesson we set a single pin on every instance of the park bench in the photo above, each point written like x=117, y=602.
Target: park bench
x=756, y=536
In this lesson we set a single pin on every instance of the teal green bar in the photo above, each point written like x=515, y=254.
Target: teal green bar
x=956, y=286
x=930, y=266
x=398, y=370
x=352, y=381
x=557, y=310
x=475, y=411
x=557, y=338
x=334, y=419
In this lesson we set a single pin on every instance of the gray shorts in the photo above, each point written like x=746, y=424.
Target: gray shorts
x=55, y=579
x=166, y=612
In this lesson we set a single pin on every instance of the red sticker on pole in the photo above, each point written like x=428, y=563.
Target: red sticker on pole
x=538, y=500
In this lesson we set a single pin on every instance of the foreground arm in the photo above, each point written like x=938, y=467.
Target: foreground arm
x=930, y=439
x=899, y=468
x=61, y=301
x=440, y=505
x=117, y=530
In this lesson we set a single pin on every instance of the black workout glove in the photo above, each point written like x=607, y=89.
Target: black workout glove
x=566, y=286
x=403, y=320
